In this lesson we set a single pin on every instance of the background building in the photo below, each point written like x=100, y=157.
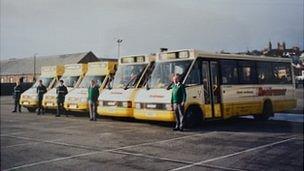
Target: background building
x=13, y=69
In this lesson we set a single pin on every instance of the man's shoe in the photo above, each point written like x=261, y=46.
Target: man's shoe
x=14, y=111
x=94, y=119
x=20, y=111
x=38, y=113
x=91, y=119
x=175, y=129
x=181, y=129
x=57, y=115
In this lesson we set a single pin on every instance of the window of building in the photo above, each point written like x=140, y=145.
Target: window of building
x=264, y=72
x=229, y=72
x=282, y=73
x=247, y=72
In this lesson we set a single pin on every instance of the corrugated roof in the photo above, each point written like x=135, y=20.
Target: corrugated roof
x=26, y=65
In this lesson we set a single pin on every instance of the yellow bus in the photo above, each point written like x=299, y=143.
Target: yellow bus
x=218, y=86
x=76, y=100
x=72, y=76
x=131, y=73
x=49, y=76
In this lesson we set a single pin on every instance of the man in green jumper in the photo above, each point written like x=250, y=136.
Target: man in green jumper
x=93, y=93
x=178, y=99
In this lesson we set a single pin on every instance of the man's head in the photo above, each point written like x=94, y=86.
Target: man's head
x=93, y=82
x=176, y=78
x=40, y=82
x=61, y=82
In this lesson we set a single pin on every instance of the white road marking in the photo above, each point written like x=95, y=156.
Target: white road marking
x=174, y=160
x=14, y=133
x=233, y=154
x=29, y=143
x=93, y=153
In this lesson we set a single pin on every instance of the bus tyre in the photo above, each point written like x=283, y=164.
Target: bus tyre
x=193, y=117
x=31, y=109
x=267, y=112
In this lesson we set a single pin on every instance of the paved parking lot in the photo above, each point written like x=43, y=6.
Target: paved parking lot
x=31, y=142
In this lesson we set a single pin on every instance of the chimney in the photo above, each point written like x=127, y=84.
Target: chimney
x=284, y=46
x=163, y=49
x=269, y=45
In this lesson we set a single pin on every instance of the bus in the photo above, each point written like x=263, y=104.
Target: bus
x=218, y=86
x=72, y=76
x=49, y=76
x=76, y=100
x=131, y=74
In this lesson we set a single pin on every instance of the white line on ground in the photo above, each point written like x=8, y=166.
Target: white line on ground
x=92, y=153
x=174, y=160
x=28, y=143
x=233, y=154
x=14, y=133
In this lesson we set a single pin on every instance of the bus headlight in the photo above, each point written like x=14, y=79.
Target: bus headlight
x=137, y=105
x=168, y=107
x=83, y=99
x=127, y=104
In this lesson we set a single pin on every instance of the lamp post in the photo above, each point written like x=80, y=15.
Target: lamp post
x=34, y=75
x=119, y=41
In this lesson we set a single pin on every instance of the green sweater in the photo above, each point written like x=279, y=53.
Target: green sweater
x=93, y=93
x=178, y=93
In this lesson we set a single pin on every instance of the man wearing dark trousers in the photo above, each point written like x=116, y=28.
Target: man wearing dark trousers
x=178, y=99
x=93, y=93
x=41, y=90
x=61, y=91
x=16, y=95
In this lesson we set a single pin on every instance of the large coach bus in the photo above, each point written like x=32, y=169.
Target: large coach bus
x=77, y=100
x=131, y=74
x=218, y=86
x=49, y=76
x=72, y=76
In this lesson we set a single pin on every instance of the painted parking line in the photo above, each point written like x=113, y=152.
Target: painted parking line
x=234, y=154
x=28, y=143
x=174, y=160
x=96, y=151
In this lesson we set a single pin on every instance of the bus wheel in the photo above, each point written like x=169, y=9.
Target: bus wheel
x=194, y=117
x=267, y=112
x=31, y=109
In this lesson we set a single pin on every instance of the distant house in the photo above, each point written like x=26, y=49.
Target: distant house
x=13, y=69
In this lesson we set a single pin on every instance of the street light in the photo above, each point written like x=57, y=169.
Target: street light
x=34, y=76
x=119, y=41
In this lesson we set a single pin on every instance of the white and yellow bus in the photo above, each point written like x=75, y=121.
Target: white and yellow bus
x=218, y=86
x=49, y=76
x=76, y=100
x=72, y=76
x=131, y=73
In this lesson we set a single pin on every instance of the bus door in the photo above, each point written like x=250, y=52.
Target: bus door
x=210, y=74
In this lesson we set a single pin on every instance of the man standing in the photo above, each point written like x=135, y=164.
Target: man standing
x=41, y=90
x=93, y=93
x=178, y=99
x=16, y=95
x=61, y=91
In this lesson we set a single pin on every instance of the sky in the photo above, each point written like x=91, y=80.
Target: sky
x=53, y=27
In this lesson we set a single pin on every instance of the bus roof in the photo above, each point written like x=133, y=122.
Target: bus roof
x=193, y=53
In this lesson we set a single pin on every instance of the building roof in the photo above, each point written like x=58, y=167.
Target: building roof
x=26, y=65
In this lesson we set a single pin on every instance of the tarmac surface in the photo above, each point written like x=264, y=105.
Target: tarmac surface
x=31, y=142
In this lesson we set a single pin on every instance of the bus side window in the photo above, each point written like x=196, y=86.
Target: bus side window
x=247, y=72
x=282, y=73
x=264, y=72
x=205, y=75
x=229, y=71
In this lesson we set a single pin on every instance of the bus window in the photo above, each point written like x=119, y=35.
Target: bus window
x=215, y=81
x=264, y=72
x=282, y=73
x=247, y=72
x=194, y=78
x=229, y=72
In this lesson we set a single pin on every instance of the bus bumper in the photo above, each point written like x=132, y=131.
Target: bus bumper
x=29, y=103
x=115, y=111
x=47, y=104
x=77, y=107
x=154, y=115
